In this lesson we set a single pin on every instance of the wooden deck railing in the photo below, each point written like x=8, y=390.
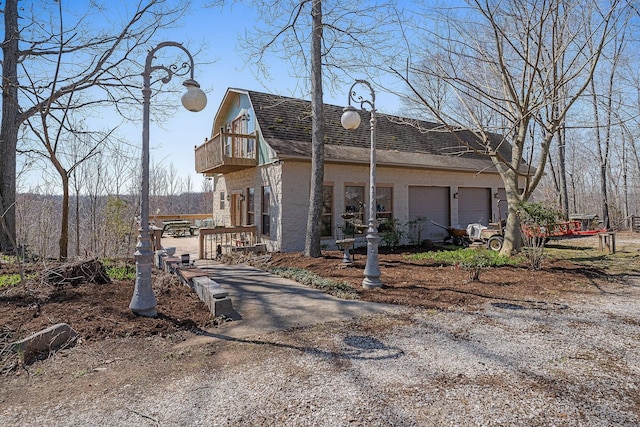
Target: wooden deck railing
x=225, y=239
x=227, y=152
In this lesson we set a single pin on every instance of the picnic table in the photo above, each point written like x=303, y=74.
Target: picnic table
x=178, y=228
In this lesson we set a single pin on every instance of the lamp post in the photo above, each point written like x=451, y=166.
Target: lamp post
x=143, y=302
x=351, y=120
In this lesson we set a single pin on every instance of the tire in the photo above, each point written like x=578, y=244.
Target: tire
x=495, y=243
x=458, y=241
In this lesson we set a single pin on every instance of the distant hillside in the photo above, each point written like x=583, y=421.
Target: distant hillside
x=99, y=225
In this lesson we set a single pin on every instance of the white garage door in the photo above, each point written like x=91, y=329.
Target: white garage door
x=474, y=206
x=432, y=203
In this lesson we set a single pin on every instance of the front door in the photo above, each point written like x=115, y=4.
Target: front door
x=239, y=143
x=236, y=210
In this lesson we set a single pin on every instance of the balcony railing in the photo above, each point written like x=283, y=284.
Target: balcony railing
x=227, y=152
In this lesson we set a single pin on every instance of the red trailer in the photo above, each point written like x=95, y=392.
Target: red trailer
x=585, y=225
x=578, y=226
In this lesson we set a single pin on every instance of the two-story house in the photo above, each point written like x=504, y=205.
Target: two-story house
x=259, y=157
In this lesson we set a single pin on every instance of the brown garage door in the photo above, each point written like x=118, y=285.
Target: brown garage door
x=474, y=206
x=502, y=203
x=432, y=203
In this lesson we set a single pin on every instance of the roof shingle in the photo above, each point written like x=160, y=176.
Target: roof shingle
x=285, y=124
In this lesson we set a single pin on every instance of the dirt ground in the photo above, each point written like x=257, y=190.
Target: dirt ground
x=431, y=285
x=98, y=312
x=109, y=331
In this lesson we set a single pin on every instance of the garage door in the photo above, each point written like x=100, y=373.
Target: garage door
x=432, y=203
x=474, y=206
x=502, y=203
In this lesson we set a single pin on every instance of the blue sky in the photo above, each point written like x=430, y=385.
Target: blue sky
x=219, y=65
x=212, y=35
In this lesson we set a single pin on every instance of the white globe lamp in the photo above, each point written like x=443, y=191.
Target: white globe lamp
x=195, y=99
x=350, y=118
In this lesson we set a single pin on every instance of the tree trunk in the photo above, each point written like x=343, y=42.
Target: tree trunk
x=64, y=225
x=312, y=247
x=574, y=195
x=9, y=126
x=511, y=232
x=606, y=223
x=562, y=174
x=77, y=219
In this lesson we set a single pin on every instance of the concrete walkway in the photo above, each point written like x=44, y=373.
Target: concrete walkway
x=265, y=303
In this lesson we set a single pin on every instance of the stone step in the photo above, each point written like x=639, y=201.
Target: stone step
x=214, y=295
x=187, y=274
x=210, y=292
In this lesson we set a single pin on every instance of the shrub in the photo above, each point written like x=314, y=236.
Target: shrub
x=474, y=261
x=415, y=228
x=536, y=219
x=475, y=264
x=119, y=270
x=126, y=272
x=460, y=255
x=390, y=232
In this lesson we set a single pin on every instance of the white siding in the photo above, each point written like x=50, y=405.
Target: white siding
x=290, y=181
x=237, y=183
x=296, y=181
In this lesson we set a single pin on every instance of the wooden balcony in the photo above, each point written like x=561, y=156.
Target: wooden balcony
x=227, y=152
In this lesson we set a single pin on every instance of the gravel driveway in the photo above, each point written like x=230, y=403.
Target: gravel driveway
x=525, y=364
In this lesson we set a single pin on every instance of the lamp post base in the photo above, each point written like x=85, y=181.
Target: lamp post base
x=145, y=313
x=143, y=302
x=372, y=268
x=371, y=282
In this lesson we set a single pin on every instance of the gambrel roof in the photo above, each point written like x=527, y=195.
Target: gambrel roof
x=285, y=124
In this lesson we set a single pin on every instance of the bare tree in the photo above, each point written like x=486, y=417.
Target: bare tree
x=60, y=60
x=77, y=153
x=122, y=163
x=602, y=97
x=501, y=81
x=9, y=126
x=95, y=179
x=51, y=137
x=187, y=188
x=559, y=174
x=173, y=184
x=344, y=38
x=312, y=246
x=157, y=188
